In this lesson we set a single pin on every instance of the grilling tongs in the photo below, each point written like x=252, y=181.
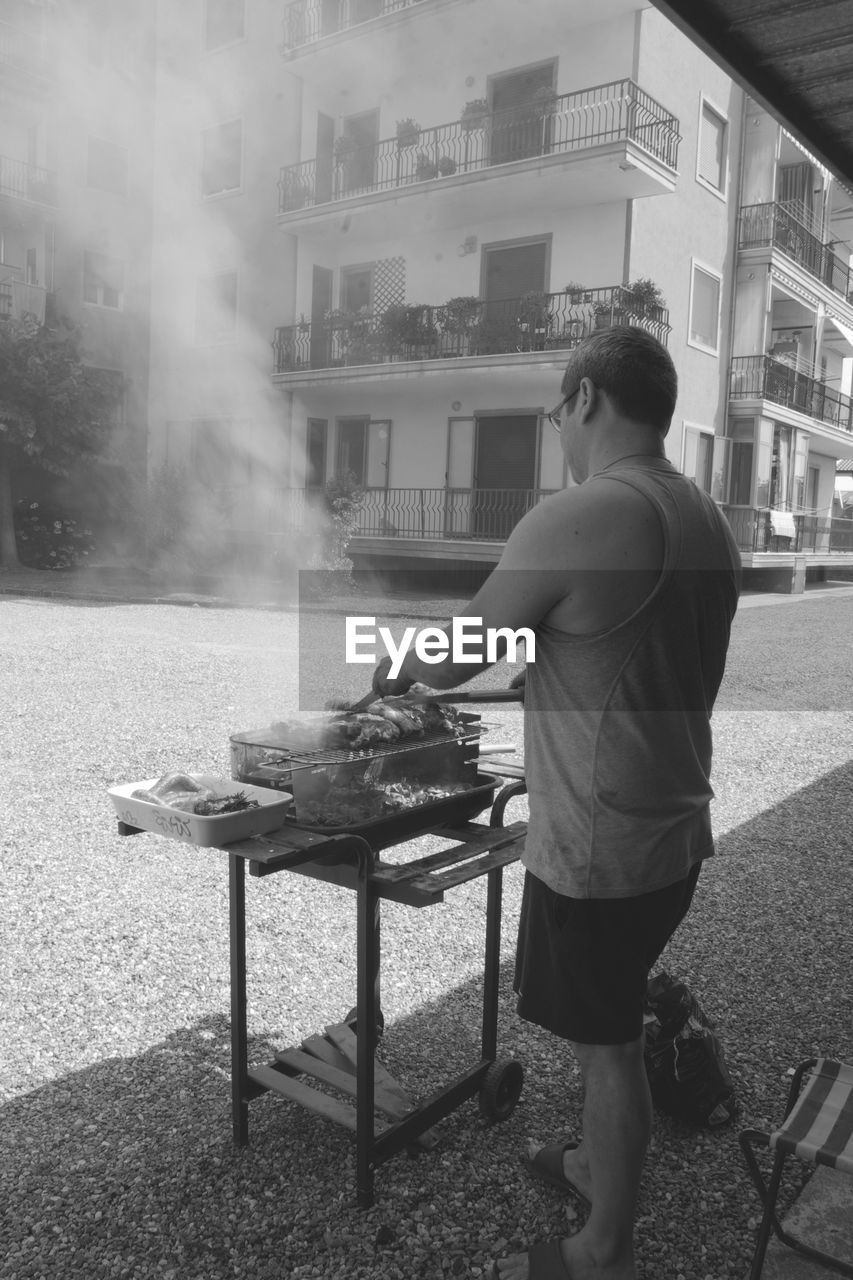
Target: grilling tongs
x=444, y=695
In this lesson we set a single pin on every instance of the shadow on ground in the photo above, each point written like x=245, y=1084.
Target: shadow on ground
x=126, y=1168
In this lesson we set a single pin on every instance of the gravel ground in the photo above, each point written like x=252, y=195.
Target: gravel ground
x=115, y=1154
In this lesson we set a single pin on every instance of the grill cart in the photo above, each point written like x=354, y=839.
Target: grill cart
x=344, y=1056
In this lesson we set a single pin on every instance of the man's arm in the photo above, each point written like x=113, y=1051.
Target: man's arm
x=530, y=578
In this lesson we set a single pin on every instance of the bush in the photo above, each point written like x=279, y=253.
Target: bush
x=48, y=540
x=344, y=498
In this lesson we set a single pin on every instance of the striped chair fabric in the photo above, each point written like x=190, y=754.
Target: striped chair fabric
x=819, y=1128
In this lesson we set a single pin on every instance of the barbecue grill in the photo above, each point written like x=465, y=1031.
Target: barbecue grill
x=343, y=1058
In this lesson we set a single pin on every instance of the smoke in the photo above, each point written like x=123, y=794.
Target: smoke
x=204, y=274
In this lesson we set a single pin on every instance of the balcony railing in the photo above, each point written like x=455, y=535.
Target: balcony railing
x=538, y=322
x=771, y=225
x=25, y=181
x=753, y=531
x=467, y=514
x=310, y=20
x=763, y=378
x=617, y=112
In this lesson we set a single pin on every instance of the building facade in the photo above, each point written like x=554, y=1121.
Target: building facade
x=76, y=113
x=382, y=225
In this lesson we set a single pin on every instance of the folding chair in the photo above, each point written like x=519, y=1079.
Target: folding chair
x=817, y=1128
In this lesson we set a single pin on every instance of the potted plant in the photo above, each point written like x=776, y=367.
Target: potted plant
x=349, y=336
x=446, y=166
x=575, y=291
x=644, y=296
x=475, y=114
x=344, y=147
x=407, y=328
x=460, y=317
x=408, y=133
x=535, y=318
x=543, y=102
x=424, y=167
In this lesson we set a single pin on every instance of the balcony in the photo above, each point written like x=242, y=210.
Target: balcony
x=310, y=20
x=18, y=298
x=774, y=226
x=464, y=328
x=29, y=182
x=763, y=378
x=753, y=531
x=470, y=515
x=633, y=139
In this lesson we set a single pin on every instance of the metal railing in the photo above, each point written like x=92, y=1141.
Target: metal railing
x=763, y=225
x=753, y=531
x=763, y=378
x=617, y=112
x=309, y=20
x=27, y=181
x=537, y=322
x=466, y=514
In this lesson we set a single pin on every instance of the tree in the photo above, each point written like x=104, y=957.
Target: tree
x=54, y=409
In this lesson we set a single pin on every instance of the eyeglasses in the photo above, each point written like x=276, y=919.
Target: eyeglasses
x=555, y=417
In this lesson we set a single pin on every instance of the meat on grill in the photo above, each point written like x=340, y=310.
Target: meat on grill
x=385, y=720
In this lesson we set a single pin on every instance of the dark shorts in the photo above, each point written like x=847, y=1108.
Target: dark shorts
x=582, y=964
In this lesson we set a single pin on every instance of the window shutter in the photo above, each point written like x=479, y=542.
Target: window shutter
x=705, y=311
x=712, y=148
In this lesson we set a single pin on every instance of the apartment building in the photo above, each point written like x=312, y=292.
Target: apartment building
x=75, y=184
x=381, y=225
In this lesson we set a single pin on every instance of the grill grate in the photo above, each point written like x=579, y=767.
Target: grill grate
x=343, y=755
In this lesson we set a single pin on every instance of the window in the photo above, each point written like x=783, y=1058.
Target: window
x=224, y=22
x=705, y=286
x=103, y=280
x=222, y=158
x=740, y=473
x=315, y=460
x=356, y=288
x=712, y=150
x=363, y=448
x=107, y=167
x=216, y=307
x=699, y=456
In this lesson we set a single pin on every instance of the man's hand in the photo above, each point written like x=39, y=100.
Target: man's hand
x=383, y=685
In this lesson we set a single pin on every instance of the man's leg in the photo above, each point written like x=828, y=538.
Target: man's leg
x=617, y=1122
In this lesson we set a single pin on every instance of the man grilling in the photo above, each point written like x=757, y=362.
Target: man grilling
x=629, y=580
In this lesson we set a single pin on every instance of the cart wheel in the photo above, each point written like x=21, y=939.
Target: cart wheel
x=352, y=1021
x=501, y=1089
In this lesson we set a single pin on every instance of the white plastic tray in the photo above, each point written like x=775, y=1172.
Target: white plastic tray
x=214, y=831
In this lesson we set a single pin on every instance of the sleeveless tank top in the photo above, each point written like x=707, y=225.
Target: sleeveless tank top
x=617, y=733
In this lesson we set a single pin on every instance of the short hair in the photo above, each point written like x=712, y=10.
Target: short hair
x=635, y=370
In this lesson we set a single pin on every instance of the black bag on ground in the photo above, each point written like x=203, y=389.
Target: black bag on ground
x=684, y=1058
